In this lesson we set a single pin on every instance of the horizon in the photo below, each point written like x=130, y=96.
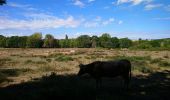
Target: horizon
x=134, y=19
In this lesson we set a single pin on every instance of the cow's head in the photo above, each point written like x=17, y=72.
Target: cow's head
x=82, y=70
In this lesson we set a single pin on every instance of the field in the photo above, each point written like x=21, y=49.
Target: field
x=32, y=74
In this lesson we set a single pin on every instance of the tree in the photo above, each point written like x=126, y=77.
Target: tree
x=155, y=43
x=2, y=2
x=115, y=42
x=105, y=40
x=83, y=41
x=35, y=41
x=125, y=43
x=49, y=41
x=95, y=41
x=66, y=41
x=2, y=41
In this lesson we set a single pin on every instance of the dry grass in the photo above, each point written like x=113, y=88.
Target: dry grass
x=62, y=61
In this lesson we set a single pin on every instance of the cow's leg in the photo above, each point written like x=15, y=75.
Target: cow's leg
x=98, y=82
x=126, y=81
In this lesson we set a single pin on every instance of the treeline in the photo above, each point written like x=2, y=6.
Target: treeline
x=84, y=41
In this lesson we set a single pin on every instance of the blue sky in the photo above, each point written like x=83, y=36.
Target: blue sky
x=121, y=18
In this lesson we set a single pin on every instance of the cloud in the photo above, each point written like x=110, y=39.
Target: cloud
x=90, y=1
x=110, y=20
x=16, y=5
x=167, y=8
x=133, y=2
x=98, y=18
x=21, y=6
x=98, y=22
x=152, y=6
x=91, y=24
x=164, y=18
x=78, y=3
x=120, y=22
x=35, y=22
x=106, y=7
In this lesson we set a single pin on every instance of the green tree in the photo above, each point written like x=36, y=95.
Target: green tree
x=83, y=41
x=105, y=40
x=35, y=40
x=115, y=42
x=94, y=41
x=125, y=43
x=22, y=42
x=155, y=43
x=49, y=41
x=2, y=41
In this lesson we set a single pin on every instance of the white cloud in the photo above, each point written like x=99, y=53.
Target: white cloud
x=109, y=21
x=133, y=2
x=152, y=6
x=97, y=22
x=98, y=18
x=167, y=8
x=91, y=1
x=78, y=3
x=21, y=6
x=35, y=22
x=16, y=5
x=120, y=22
x=91, y=24
x=106, y=7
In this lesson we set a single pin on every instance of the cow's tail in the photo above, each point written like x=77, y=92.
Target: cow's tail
x=130, y=71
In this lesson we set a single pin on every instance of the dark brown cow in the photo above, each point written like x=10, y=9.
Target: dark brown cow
x=99, y=69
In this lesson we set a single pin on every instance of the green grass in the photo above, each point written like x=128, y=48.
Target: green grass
x=164, y=64
x=157, y=60
x=63, y=58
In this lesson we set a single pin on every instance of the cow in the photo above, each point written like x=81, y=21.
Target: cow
x=99, y=69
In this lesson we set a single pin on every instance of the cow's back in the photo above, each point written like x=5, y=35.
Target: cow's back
x=111, y=68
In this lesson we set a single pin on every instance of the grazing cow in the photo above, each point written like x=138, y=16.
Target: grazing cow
x=99, y=69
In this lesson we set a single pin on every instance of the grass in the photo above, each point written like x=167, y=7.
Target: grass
x=66, y=87
x=48, y=60
x=164, y=64
x=4, y=61
x=64, y=58
x=46, y=68
x=157, y=60
x=35, y=62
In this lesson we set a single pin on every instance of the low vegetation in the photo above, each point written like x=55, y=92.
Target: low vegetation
x=30, y=68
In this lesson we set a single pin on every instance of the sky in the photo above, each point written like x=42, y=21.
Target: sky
x=134, y=19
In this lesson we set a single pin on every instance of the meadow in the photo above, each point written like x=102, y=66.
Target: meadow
x=32, y=74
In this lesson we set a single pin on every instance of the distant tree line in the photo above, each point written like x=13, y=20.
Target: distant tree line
x=84, y=41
